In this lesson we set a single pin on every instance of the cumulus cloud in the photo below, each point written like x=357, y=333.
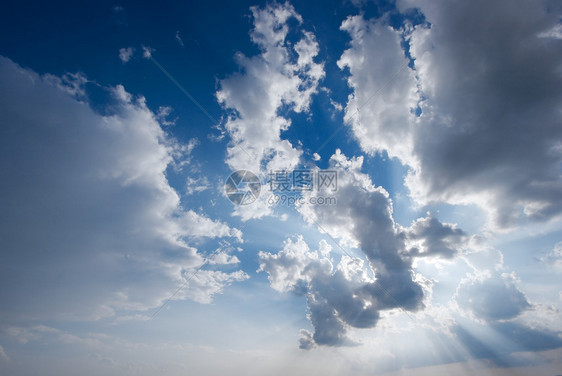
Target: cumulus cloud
x=223, y=256
x=90, y=224
x=352, y=292
x=429, y=237
x=488, y=84
x=334, y=294
x=283, y=77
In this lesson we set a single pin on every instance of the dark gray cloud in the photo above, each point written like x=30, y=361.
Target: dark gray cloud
x=433, y=238
x=335, y=296
x=352, y=292
x=488, y=82
x=492, y=117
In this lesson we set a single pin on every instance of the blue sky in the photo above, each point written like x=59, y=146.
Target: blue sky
x=438, y=252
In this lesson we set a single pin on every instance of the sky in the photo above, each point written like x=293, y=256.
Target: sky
x=253, y=187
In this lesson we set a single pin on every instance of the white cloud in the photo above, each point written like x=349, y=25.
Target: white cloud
x=191, y=224
x=125, y=54
x=223, y=258
x=270, y=81
x=90, y=222
x=182, y=153
x=337, y=106
x=290, y=269
x=223, y=254
x=207, y=283
x=381, y=108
